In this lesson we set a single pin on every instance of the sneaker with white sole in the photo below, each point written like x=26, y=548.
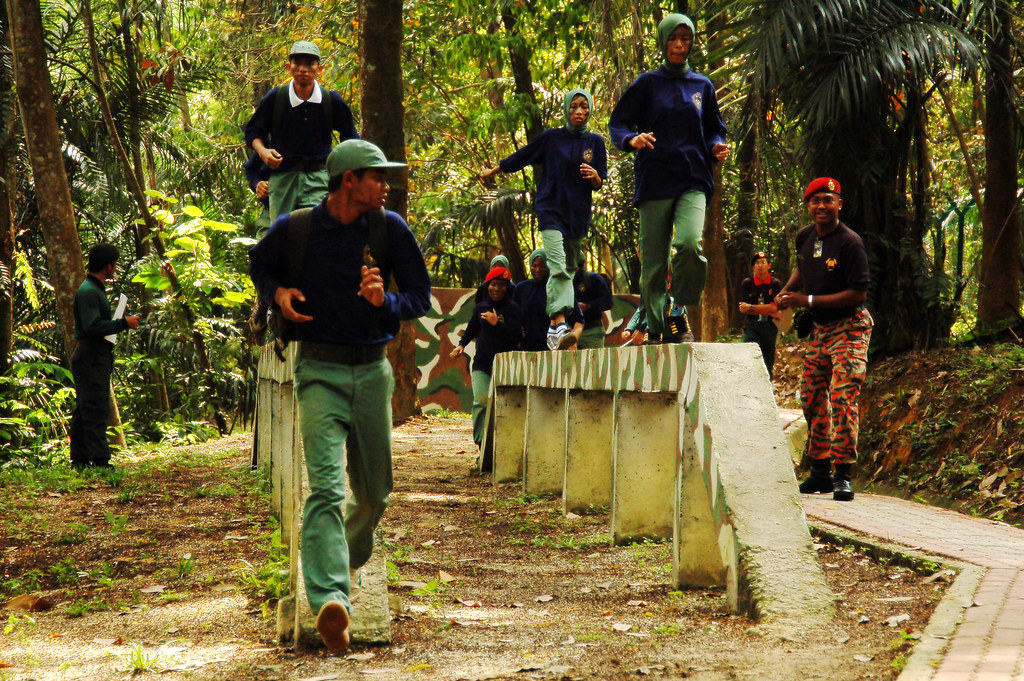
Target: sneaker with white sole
x=556, y=334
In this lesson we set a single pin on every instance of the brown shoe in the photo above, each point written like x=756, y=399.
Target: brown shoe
x=332, y=624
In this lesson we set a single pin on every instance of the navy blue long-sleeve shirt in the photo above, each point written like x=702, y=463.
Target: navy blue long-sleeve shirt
x=490, y=340
x=563, y=198
x=255, y=172
x=532, y=300
x=592, y=289
x=331, y=277
x=682, y=112
x=302, y=135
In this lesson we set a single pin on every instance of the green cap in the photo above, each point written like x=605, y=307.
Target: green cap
x=304, y=47
x=356, y=154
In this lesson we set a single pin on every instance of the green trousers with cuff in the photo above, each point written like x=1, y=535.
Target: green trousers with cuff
x=345, y=415
x=677, y=223
x=481, y=383
x=563, y=255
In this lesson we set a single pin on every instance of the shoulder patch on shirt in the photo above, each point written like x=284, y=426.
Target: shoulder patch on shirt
x=831, y=264
x=697, y=99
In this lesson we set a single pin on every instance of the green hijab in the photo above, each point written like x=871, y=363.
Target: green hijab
x=538, y=253
x=499, y=260
x=569, y=96
x=670, y=23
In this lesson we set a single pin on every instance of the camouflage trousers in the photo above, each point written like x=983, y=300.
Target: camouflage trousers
x=834, y=369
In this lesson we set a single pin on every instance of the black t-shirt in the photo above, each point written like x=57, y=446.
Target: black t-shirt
x=832, y=264
x=759, y=294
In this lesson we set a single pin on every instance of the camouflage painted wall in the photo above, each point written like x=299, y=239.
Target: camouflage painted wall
x=444, y=382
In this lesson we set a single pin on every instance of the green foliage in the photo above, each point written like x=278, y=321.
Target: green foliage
x=270, y=580
x=186, y=565
x=66, y=573
x=83, y=607
x=118, y=523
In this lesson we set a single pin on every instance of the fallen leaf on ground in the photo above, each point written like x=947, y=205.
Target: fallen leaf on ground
x=445, y=577
x=545, y=598
x=622, y=626
x=412, y=585
x=429, y=542
x=637, y=603
x=863, y=658
x=359, y=657
x=155, y=589
x=897, y=620
x=29, y=602
x=108, y=641
x=325, y=677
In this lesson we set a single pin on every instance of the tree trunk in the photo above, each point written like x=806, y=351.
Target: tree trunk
x=521, y=73
x=7, y=182
x=740, y=246
x=56, y=214
x=714, y=318
x=998, y=285
x=383, y=123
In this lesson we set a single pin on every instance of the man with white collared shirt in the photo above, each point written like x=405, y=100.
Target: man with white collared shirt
x=293, y=135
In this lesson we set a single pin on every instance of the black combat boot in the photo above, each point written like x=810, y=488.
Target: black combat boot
x=841, y=489
x=820, y=479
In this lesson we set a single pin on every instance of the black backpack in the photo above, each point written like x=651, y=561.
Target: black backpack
x=297, y=243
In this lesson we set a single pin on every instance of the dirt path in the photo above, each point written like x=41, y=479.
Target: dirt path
x=492, y=584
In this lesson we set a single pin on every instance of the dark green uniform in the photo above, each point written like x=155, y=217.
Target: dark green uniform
x=91, y=365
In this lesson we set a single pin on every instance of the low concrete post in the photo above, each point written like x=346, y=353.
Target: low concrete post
x=646, y=444
x=544, y=457
x=509, y=411
x=588, y=456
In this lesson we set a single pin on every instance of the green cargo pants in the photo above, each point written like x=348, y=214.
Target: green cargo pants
x=344, y=410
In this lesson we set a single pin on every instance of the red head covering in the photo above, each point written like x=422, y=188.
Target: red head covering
x=822, y=184
x=498, y=272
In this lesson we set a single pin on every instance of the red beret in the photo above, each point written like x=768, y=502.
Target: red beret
x=498, y=272
x=822, y=184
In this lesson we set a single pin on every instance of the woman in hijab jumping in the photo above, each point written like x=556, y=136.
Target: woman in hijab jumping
x=573, y=164
x=670, y=118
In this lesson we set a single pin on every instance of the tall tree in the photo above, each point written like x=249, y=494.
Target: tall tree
x=854, y=79
x=383, y=122
x=8, y=146
x=42, y=137
x=999, y=285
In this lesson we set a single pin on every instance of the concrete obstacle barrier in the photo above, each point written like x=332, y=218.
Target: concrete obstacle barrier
x=279, y=451
x=682, y=441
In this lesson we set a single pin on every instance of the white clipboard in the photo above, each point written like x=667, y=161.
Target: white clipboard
x=122, y=305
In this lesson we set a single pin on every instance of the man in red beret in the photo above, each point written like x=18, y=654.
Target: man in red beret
x=831, y=282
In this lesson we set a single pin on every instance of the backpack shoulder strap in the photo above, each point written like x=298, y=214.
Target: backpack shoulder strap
x=377, y=240
x=298, y=243
x=328, y=103
x=280, y=104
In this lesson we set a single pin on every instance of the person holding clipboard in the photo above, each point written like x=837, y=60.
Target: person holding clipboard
x=92, y=360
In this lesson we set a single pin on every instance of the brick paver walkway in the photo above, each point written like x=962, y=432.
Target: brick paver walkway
x=988, y=644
